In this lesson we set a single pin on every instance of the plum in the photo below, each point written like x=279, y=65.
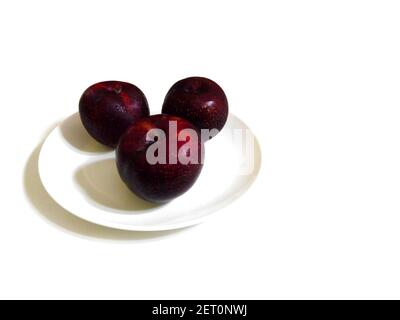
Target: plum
x=199, y=100
x=108, y=108
x=160, y=157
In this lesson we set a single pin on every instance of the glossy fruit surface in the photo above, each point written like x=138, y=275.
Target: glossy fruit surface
x=108, y=108
x=199, y=100
x=178, y=164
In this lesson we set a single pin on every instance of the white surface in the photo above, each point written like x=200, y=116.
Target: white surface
x=317, y=81
x=87, y=184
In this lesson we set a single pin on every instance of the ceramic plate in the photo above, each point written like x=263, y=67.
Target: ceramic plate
x=82, y=177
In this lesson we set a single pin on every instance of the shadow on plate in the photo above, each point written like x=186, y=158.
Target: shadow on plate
x=101, y=182
x=76, y=135
x=58, y=216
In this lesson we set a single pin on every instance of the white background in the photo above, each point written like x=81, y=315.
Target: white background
x=317, y=81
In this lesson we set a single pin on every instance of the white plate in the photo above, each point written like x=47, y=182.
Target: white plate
x=81, y=176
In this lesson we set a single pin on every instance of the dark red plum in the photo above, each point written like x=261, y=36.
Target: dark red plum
x=108, y=108
x=199, y=100
x=155, y=173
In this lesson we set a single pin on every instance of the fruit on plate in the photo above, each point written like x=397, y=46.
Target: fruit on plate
x=160, y=157
x=199, y=100
x=108, y=108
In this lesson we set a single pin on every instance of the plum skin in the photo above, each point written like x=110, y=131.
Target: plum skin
x=108, y=108
x=199, y=100
x=157, y=183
